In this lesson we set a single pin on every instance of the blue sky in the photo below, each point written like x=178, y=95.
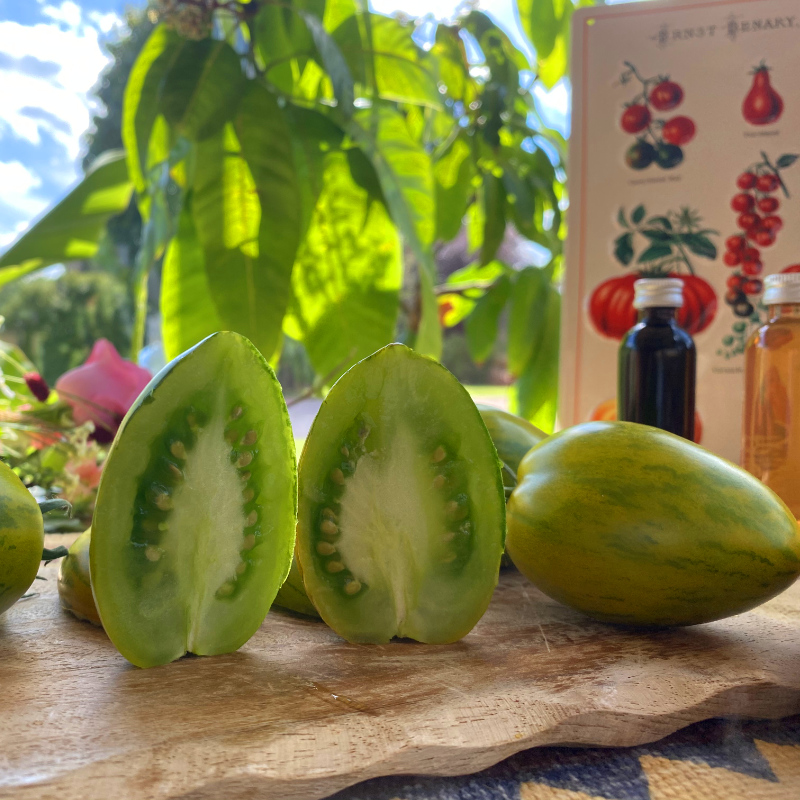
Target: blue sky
x=51, y=54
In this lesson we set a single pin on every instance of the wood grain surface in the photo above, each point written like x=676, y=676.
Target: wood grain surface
x=299, y=713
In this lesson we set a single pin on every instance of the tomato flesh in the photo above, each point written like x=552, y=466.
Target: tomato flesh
x=401, y=519
x=194, y=526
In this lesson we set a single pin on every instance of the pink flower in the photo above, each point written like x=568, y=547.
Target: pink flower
x=103, y=389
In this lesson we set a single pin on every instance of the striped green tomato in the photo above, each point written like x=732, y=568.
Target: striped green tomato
x=631, y=524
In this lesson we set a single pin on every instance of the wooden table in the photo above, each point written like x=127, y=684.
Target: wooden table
x=299, y=713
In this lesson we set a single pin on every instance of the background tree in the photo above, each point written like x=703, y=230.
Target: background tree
x=288, y=158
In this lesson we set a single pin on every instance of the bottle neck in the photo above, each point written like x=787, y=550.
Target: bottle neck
x=783, y=311
x=658, y=315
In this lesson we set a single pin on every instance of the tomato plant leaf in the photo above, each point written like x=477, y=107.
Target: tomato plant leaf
x=527, y=316
x=621, y=220
x=453, y=172
x=656, y=235
x=333, y=61
x=537, y=386
x=482, y=324
x=201, y=88
x=638, y=214
x=71, y=229
x=699, y=245
x=623, y=248
x=663, y=221
x=406, y=176
x=188, y=313
x=654, y=253
x=140, y=101
x=347, y=276
x=786, y=160
x=494, y=220
x=541, y=23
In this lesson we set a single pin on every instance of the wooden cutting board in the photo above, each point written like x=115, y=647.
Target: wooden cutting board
x=299, y=713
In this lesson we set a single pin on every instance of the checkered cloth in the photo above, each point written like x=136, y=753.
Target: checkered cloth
x=713, y=760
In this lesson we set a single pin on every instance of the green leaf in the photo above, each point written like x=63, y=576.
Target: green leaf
x=347, y=276
x=274, y=45
x=786, y=160
x=537, y=387
x=140, y=103
x=403, y=72
x=623, y=248
x=541, y=23
x=246, y=210
x=71, y=230
x=656, y=235
x=494, y=209
x=450, y=58
x=333, y=61
x=521, y=201
x=663, y=221
x=638, y=214
x=482, y=324
x=201, y=88
x=453, y=172
x=654, y=253
x=700, y=245
x=406, y=176
x=527, y=316
x=313, y=135
x=621, y=221
x=188, y=313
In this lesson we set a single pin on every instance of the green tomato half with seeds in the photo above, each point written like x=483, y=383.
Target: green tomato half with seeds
x=401, y=520
x=193, y=531
x=21, y=538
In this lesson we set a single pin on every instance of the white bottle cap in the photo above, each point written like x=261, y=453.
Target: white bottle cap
x=781, y=288
x=658, y=293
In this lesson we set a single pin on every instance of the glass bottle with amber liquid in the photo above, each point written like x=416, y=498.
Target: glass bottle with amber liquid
x=658, y=361
x=771, y=429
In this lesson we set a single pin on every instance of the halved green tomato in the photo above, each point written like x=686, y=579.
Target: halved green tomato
x=194, y=526
x=402, y=515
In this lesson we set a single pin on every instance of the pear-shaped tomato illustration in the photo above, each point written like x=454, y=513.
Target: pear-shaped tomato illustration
x=763, y=105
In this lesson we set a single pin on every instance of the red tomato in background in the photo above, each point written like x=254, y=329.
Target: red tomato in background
x=772, y=223
x=635, y=118
x=752, y=267
x=748, y=221
x=767, y=183
x=743, y=202
x=607, y=412
x=678, y=130
x=732, y=258
x=746, y=180
x=793, y=268
x=768, y=205
x=735, y=243
x=666, y=95
x=764, y=238
x=612, y=313
x=762, y=105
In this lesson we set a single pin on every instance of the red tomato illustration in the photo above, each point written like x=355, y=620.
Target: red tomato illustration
x=612, y=313
x=767, y=183
x=743, y=202
x=666, y=95
x=678, y=130
x=746, y=180
x=635, y=118
x=768, y=205
x=763, y=105
x=793, y=268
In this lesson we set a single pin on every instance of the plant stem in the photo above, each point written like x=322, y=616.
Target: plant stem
x=776, y=172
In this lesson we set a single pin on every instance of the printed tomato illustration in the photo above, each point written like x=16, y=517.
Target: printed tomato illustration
x=792, y=268
x=758, y=231
x=762, y=105
x=607, y=412
x=612, y=313
x=635, y=118
x=678, y=130
x=666, y=95
x=659, y=141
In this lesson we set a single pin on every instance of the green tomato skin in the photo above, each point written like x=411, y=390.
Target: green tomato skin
x=292, y=595
x=21, y=538
x=74, y=581
x=512, y=437
x=630, y=524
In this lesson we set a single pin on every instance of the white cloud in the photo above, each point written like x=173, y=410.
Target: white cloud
x=38, y=97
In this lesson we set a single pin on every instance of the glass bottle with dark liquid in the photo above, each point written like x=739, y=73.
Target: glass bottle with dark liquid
x=657, y=361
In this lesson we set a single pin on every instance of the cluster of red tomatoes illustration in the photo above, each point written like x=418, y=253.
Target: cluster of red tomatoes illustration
x=762, y=105
x=658, y=140
x=759, y=225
